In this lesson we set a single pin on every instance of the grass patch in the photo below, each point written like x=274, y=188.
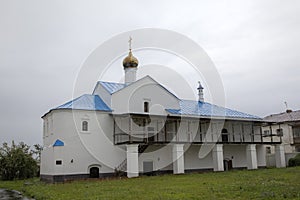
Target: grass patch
x=241, y=184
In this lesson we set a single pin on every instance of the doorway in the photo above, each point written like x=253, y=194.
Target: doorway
x=227, y=165
x=148, y=168
x=94, y=172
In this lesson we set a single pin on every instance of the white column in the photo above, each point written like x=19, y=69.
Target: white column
x=251, y=156
x=178, y=159
x=132, y=160
x=217, y=154
x=280, y=156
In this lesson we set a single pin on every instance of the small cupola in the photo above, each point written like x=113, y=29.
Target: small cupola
x=130, y=64
x=200, y=92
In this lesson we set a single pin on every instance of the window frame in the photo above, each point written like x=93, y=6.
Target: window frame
x=58, y=162
x=85, y=126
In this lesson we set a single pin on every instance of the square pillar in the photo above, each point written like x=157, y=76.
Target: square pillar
x=132, y=155
x=280, y=156
x=251, y=156
x=217, y=154
x=178, y=159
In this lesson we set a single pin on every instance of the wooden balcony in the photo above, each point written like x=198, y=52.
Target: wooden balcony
x=129, y=129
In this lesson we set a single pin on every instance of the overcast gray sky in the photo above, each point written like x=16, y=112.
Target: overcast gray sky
x=254, y=44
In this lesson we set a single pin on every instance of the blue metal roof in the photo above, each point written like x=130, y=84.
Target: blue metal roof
x=198, y=108
x=112, y=87
x=58, y=143
x=86, y=102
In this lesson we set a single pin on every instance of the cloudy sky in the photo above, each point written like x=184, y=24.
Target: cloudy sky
x=254, y=45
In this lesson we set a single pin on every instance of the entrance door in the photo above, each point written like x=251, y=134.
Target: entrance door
x=148, y=167
x=94, y=172
x=227, y=165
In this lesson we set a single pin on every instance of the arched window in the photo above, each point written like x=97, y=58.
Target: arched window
x=146, y=106
x=84, y=126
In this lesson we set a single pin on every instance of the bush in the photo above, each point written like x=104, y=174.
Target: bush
x=16, y=162
x=294, y=161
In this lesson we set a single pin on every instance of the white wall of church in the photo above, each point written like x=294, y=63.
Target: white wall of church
x=192, y=160
x=160, y=155
x=261, y=155
x=131, y=99
x=81, y=148
x=236, y=153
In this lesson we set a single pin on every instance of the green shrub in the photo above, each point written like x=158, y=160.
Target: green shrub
x=294, y=161
x=16, y=162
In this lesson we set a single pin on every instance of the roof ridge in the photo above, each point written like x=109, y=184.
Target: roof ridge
x=110, y=82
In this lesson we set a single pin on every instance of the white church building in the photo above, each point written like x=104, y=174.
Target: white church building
x=120, y=128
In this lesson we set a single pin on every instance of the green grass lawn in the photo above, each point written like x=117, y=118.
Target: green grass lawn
x=241, y=184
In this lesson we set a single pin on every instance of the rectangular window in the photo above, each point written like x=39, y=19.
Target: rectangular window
x=58, y=162
x=146, y=106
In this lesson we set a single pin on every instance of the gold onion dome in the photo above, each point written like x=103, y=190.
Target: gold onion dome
x=130, y=61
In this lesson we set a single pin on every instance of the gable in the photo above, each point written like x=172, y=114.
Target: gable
x=131, y=98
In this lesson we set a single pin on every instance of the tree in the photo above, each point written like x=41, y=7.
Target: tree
x=37, y=151
x=16, y=162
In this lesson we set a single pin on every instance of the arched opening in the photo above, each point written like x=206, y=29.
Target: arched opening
x=224, y=135
x=94, y=172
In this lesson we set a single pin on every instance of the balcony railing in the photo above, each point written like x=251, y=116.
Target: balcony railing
x=140, y=130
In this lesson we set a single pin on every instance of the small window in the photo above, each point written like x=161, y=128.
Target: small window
x=84, y=126
x=266, y=132
x=58, y=162
x=146, y=106
x=279, y=132
x=268, y=150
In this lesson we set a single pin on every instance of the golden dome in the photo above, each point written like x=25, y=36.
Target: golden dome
x=130, y=61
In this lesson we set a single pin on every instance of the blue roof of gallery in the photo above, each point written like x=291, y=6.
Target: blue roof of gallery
x=86, y=102
x=198, y=108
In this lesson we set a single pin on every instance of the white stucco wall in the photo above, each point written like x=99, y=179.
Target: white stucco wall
x=94, y=147
x=131, y=99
